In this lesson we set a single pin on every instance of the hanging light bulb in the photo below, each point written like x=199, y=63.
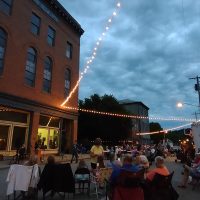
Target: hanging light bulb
x=92, y=57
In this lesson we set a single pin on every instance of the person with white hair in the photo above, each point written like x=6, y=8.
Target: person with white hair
x=160, y=169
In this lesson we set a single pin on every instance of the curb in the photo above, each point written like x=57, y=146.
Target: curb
x=42, y=164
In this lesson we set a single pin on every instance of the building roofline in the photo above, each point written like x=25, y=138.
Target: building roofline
x=65, y=15
x=134, y=102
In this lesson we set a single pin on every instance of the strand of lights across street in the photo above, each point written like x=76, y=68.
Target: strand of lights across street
x=130, y=116
x=165, y=131
x=94, y=52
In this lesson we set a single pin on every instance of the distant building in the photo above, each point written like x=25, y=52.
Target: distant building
x=39, y=64
x=138, y=125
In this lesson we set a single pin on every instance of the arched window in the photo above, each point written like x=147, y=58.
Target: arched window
x=3, y=40
x=47, y=75
x=67, y=81
x=30, y=67
x=6, y=6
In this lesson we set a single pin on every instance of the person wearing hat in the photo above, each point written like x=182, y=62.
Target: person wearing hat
x=95, y=152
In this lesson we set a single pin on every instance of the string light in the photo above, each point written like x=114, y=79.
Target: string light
x=100, y=39
x=129, y=116
x=164, y=131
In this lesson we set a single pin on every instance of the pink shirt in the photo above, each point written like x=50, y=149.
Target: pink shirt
x=162, y=171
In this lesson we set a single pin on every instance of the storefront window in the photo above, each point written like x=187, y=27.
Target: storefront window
x=53, y=139
x=13, y=116
x=42, y=138
x=3, y=137
x=18, y=139
x=48, y=138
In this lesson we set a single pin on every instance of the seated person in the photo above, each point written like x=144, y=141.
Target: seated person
x=51, y=160
x=81, y=176
x=142, y=161
x=21, y=152
x=160, y=169
x=193, y=171
x=82, y=164
x=112, y=162
x=127, y=165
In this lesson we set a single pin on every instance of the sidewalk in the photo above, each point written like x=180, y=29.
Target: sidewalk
x=63, y=159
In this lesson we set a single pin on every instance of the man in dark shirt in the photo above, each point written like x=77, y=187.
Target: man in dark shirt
x=74, y=152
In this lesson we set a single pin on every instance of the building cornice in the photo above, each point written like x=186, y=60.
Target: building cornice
x=62, y=12
x=30, y=105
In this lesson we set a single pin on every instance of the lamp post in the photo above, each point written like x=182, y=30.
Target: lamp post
x=181, y=104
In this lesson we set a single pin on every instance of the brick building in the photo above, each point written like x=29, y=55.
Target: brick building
x=39, y=64
x=138, y=125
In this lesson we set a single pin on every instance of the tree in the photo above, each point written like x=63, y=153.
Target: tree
x=154, y=126
x=177, y=135
x=109, y=128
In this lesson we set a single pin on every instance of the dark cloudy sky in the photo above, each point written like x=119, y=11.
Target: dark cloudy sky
x=151, y=50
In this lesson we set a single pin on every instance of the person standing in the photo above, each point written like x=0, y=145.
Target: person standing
x=95, y=152
x=74, y=152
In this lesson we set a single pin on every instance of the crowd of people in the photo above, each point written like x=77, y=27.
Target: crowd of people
x=126, y=157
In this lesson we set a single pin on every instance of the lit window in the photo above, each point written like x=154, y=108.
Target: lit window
x=47, y=75
x=35, y=24
x=67, y=81
x=51, y=36
x=30, y=70
x=69, y=50
x=3, y=40
x=5, y=6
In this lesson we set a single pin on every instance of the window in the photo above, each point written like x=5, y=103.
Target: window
x=35, y=24
x=69, y=50
x=3, y=39
x=43, y=6
x=47, y=75
x=30, y=67
x=14, y=116
x=51, y=36
x=67, y=81
x=5, y=6
x=48, y=138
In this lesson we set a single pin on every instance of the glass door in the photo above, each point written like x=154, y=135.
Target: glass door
x=4, y=132
x=53, y=139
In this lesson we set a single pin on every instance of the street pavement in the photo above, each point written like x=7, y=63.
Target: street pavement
x=185, y=194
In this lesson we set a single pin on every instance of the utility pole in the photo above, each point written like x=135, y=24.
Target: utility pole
x=197, y=87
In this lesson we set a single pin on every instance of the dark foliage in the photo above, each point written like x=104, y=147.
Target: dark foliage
x=154, y=126
x=108, y=128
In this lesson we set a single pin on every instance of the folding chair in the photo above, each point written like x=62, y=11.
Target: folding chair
x=22, y=179
x=128, y=186
x=82, y=178
x=57, y=178
x=100, y=179
x=161, y=188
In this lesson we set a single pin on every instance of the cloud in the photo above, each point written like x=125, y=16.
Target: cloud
x=151, y=50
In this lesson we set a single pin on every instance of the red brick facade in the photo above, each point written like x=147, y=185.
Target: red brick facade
x=19, y=39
